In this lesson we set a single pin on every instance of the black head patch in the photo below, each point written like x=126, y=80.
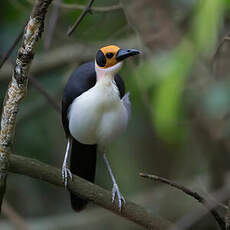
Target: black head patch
x=100, y=58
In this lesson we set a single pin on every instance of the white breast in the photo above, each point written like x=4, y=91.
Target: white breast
x=98, y=116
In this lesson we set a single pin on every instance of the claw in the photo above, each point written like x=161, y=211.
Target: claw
x=115, y=192
x=65, y=174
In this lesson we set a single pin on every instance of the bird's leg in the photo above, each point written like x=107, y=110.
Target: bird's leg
x=65, y=170
x=115, y=190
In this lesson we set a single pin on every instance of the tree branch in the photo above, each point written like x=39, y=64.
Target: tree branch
x=220, y=221
x=46, y=94
x=18, y=86
x=86, y=190
x=52, y=23
x=82, y=7
x=80, y=18
x=227, y=217
x=59, y=57
x=224, y=39
x=95, y=8
x=16, y=41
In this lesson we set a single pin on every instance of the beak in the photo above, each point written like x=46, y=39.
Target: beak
x=123, y=54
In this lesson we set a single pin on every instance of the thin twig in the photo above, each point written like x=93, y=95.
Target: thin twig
x=227, y=217
x=80, y=18
x=188, y=220
x=95, y=8
x=213, y=199
x=195, y=195
x=18, y=86
x=82, y=7
x=49, y=98
x=52, y=24
x=226, y=38
x=62, y=56
x=34, y=110
x=8, y=53
x=88, y=191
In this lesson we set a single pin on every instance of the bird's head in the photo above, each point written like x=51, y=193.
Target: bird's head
x=109, y=58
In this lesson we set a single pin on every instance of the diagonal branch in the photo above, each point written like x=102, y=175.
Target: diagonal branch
x=86, y=190
x=18, y=86
x=80, y=18
x=195, y=195
x=77, y=6
x=48, y=97
x=9, y=52
x=224, y=39
x=74, y=53
x=82, y=7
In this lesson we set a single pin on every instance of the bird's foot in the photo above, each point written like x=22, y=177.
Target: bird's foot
x=65, y=174
x=115, y=192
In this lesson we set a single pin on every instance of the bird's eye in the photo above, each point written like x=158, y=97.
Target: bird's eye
x=109, y=55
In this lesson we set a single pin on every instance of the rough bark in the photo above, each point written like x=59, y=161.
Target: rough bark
x=18, y=86
x=87, y=190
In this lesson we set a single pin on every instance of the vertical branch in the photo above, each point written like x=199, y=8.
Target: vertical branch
x=18, y=86
x=54, y=14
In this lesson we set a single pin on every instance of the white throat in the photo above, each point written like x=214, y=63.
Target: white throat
x=107, y=73
x=99, y=116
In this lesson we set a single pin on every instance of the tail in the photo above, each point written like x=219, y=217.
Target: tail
x=83, y=164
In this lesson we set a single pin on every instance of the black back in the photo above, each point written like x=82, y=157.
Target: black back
x=83, y=157
x=82, y=79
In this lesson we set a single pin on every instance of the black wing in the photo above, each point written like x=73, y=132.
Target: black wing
x=82, y=79
x=83, y=157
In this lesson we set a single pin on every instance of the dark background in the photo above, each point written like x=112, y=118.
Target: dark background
x=180, y=93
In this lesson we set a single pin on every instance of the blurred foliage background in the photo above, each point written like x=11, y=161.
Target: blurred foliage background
x=180, y=93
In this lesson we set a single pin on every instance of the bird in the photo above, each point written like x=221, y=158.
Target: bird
x=95, y=112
